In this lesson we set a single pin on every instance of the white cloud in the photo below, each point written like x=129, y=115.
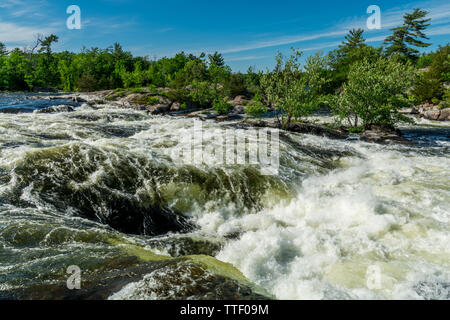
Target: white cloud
x=16, y=34
x=439, y=13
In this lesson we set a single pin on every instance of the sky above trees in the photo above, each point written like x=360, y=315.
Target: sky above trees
x=248, y=33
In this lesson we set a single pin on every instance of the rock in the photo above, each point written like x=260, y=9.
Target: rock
x=203, y=114
x=133, y=98
x=56, y=109
x=239, y=100
x=164, y=100
x=78, y=100
x=239, y=109
x=228, y=117
x=316, y=130
x=130, y=278
x=158, y=109
x=95, y=102
x=432, y=115
x=176, y=106
x=408, y=111
x=445, y=115
x=383, y=134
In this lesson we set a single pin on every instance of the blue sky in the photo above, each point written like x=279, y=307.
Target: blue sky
x=247, y=32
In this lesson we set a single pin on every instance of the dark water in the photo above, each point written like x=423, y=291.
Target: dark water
x=95, y=188
x=23, y=103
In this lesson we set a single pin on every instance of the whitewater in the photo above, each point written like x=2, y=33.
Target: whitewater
x=342, y=219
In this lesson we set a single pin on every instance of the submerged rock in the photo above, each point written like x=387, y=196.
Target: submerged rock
x=56, y=109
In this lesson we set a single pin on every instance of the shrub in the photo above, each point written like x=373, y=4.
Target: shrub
x=426, y=88
x=294, y=92
x=148, y=100
x=374, y=92
x=256, y=109
x=86, y=83
x=222, y=106
x=202, y=94
x=153, y=89
x=181, y=95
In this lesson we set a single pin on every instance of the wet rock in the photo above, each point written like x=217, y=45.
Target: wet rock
x=78, y=100
x=239, y=109
x=95, y=102
x=229, y=117
x=128, y=278
x=159, y=109
x=316, y=130
x=383, y=134
x=204, y=114
x=56, y=109
x=189, y=244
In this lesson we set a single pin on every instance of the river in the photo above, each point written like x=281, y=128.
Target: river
x=340, y=220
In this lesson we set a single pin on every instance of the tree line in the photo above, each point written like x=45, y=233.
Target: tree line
x=361, y=83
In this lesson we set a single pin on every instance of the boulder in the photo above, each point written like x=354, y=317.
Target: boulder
x=239, y=109
x=158, y=108
x=239, y=100
x=56, y=109
x=408, y=111
x=432, y=115
x=78, y=100
x=445, y=115
x=176, y=106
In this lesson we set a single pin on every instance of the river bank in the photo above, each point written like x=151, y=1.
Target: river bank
x=161, y=105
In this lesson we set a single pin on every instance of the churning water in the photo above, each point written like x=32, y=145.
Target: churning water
x=96, y=188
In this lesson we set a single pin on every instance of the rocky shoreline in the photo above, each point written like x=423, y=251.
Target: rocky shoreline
x=428, y=111
x=158, y=104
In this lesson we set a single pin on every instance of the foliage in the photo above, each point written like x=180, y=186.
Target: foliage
x=222, y=106
x=148, y=100
x=349, y=52
x=291, y=91
x=430, y=85
x=3, y=50
x=374, y=92
x=256, y=109
x=202, y=93
x=409, y=35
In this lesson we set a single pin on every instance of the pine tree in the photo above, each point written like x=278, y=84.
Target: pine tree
x=3, y=50
x=409, y=35
x=216, y=59
x=354, y=39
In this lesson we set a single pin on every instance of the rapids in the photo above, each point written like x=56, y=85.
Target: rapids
x=97, y=188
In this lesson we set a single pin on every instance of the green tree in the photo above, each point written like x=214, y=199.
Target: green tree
x=354, y=39
x=374, y=92
x=431, y=85
x=409, y=35
x=3, y=50
x=293, y=92
x=216, y=59
x=352, y=50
